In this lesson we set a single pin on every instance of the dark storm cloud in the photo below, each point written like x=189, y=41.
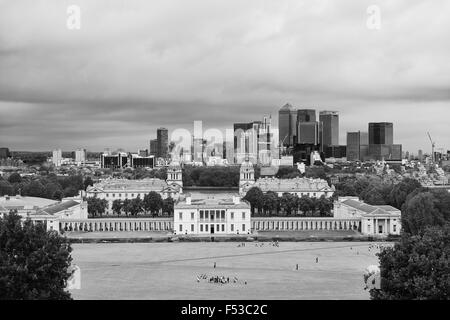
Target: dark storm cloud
x=138, y=65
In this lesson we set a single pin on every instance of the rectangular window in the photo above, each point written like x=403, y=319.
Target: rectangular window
x=201, y=214
x=243, y=215
x=223, y=228
x=217, y=214
x=218, y=227
x=222, y=214
x=206, y=227
x=107, y=195
x=132, y=195
x=180, y=216
x=395, y=228
x=232, y=215
x=181, y=228
x=192, y=228
x=192, y=216
x=232, y=227
x=243, y=228
x=120, y=195
x=201, y=228
x=114, y=195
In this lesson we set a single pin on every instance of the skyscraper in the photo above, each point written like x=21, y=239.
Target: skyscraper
x=357, y=145
x=80, y=156
x=4, y=153
x=330, y=121
x=154, y=147
x=287, y=121
x=162, y=135
x=381, y=142
x=57, y=157
x=381, y=133
x=306, y=115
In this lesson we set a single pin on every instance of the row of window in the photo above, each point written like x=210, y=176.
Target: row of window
x=211, y=214
x=219, y=227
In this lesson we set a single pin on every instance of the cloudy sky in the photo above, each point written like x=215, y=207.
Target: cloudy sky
x=136, y=65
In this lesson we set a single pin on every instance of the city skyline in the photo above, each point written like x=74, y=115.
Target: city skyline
x=111, y=85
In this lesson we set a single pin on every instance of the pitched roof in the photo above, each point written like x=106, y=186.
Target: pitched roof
x=53, y=209
x=367, y=208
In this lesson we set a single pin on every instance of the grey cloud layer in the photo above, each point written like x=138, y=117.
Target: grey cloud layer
x=137, y=65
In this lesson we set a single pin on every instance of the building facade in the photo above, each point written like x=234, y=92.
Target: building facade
x=375, y=220
x=357, y=146
x=121, y=189
x=162, y=136
x=48, y=212
x=330, y=122
x=314, y=188
x=211, y=216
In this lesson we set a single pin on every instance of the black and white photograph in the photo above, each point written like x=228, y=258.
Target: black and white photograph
x=220, y=150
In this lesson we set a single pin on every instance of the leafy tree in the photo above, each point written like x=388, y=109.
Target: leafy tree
x=53, y=191
x=15, y=178
x=117, y=206
x=288, y=203
x=400, y=191
x=417, y=267
x=126, y=206
x=88, y=182
x=324, y=206
x=420, y=212
x=153, y=202
x=305, y=204
x=270, y=202
x=136, y=206
x=5, y=188
x=35, y=189
x=34, y=263
x=96, y=206
x=255, y=197
x=168, y=206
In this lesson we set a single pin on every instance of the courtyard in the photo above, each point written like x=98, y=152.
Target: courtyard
x=263, y=271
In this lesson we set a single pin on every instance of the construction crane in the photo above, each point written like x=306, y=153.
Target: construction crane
x=433, y=145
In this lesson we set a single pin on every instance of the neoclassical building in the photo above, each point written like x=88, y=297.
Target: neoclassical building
x=50, y=213
x=113, y=189
x=374, y=220
x=211, y=215
x=314, y=188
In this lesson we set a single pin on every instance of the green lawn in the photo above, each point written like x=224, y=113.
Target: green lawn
x=169, y=270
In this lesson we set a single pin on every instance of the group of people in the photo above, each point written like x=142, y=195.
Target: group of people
x=261, y=244
x=218, y=279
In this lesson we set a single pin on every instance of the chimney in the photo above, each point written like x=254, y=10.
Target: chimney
x=236, y=200
x=188, y=200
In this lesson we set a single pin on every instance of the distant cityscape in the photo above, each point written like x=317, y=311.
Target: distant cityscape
x=301, y=137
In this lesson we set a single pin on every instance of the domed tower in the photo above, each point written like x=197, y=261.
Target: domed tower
x=246, y=177
x=175, y=175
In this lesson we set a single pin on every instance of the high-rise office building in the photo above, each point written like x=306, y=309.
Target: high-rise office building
x=357, y=146
x=162, y=135
x=57, y=157
x=306, y=115
x=381, y=133
x=154, y=147
x=309, y=133
x=420, y=156
x=4, y=153
x=253, y=141
x=381, y=142
x=330, y=122
x=80, y=156
x=287, y=124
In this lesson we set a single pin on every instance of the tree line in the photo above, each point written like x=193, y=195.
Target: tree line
x=49, y=186
x=151, y=205
x=269, y=204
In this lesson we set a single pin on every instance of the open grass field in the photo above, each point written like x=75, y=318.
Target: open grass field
x=170, y=270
